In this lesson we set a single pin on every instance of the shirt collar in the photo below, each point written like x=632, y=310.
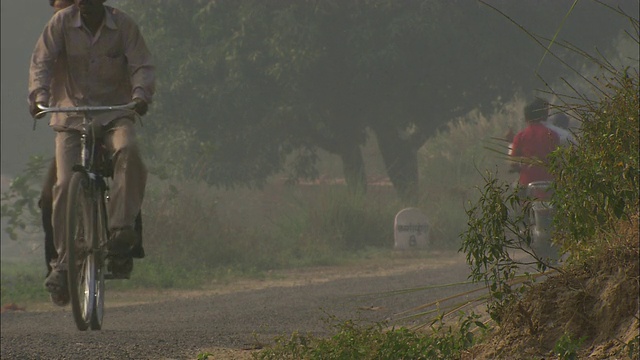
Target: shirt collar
x=108, y=19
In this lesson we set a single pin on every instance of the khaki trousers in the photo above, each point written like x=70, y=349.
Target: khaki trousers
x=126, y=191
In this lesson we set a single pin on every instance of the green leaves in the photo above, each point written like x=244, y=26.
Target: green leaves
x=354, y=341
x=567, y=347
x=20, y=201
x=496, y=228
x=598, y=177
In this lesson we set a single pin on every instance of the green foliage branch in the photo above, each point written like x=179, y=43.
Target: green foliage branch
x=20, y=201
x=566, y=348
x=352, y=340
x=597, y=179
x=496, y=229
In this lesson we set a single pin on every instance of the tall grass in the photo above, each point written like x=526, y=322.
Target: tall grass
x=195, y=227
x=21, y=282
x=452, y=164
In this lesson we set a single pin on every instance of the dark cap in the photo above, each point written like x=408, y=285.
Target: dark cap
x=560, y=120
x=536, y=111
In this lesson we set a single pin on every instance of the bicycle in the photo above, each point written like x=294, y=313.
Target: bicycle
x=541, y=218
x=87, y=230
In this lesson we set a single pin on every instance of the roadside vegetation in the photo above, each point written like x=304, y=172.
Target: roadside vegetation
x=586, y=306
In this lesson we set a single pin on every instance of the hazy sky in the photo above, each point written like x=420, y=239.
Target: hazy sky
x=21, y=23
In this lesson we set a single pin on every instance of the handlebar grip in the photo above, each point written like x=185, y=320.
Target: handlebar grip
x=39, y=115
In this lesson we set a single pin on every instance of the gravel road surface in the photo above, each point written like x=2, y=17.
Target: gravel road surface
x=233, y=319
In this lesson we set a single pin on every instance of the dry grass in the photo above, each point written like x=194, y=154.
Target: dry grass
x=597, y=300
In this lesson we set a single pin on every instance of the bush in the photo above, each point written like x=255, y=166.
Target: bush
x=193, y=226
x=355, y=341
x=596, y=187
x=452, y=164
x=597, y=179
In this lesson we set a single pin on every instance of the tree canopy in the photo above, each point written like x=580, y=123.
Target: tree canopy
x=243, y=84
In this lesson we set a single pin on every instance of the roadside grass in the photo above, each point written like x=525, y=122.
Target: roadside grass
x=22, y=282
x=354, y=341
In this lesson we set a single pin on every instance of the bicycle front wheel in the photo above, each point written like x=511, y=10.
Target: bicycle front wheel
x=81, y=221
x=99, y=245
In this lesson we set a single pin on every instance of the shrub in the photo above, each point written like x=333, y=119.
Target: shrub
x=356, y=341
x=453, y=161
x=597, y=179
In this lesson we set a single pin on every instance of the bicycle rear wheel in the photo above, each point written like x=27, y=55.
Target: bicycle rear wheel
x=100, y=241
x=81, y=221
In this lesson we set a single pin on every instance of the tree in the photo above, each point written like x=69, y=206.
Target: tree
x=253, y=81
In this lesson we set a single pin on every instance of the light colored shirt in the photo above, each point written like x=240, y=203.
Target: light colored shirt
x=564, y=135
x=111, y=67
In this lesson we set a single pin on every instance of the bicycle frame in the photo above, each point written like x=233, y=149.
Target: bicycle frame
x=86, y=282
x=542, y=217
x=88, y=155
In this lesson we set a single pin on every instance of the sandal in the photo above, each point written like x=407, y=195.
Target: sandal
x=56, y=285
x=121, y=267
x=122, y=240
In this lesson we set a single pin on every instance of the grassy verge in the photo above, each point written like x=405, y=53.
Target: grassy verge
x=354, y=341
x=22, y=283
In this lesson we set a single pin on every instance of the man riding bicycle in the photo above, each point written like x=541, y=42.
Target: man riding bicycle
x=105, y=61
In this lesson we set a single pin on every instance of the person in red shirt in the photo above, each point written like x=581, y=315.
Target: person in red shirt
x=533, y=144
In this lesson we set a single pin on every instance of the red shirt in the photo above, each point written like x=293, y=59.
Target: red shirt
x=536, y=141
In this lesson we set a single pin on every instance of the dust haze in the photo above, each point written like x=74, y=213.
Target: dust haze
x=21, y=23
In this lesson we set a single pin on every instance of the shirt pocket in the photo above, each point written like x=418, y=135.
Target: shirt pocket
x=109, y=71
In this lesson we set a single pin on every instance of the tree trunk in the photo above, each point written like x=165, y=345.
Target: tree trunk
x=401, y=162
x=353, y=169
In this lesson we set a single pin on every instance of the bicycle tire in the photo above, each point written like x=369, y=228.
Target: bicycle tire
x=81, y=262
x=99, y=245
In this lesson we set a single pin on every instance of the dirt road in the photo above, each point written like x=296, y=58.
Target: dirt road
x=230, y=320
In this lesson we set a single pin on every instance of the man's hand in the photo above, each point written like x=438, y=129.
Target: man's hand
x=33, y=107
x=141, y=106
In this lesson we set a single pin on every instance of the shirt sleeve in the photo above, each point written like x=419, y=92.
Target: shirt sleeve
x=516, y=149
x=47, y=49
x=140, y=65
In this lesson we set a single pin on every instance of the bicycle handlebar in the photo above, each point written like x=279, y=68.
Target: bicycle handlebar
x=45, y=110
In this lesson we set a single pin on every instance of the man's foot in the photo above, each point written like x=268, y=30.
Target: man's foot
x=56, y=285
x=121, y=267
x=61, y=299
x=137, y=251
x=122, y=240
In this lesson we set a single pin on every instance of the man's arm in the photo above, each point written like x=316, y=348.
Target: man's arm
x=516, y=151
x=140, y=66
x=45, y=53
